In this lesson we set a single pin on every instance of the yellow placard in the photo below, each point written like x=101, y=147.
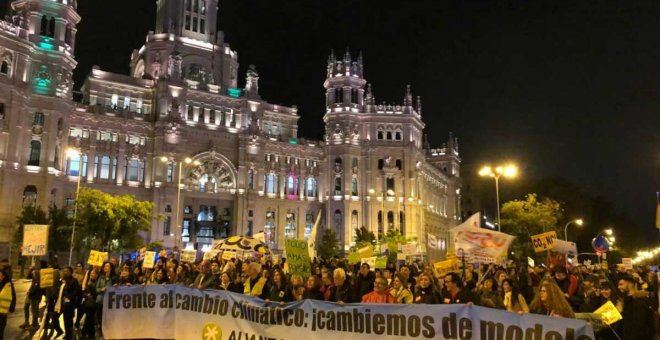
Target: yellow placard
x=228, y=255
x=365, y=252
x=97, y=258
x=46, y=277
x=608, y=313
x=149, y=259
x=543, y=242
x=442, y=268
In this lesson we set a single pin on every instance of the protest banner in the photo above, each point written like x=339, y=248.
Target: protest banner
x=353, y=258
x=188, y=256
x=442, y=268
x=480, y=242
x=179, y=312
x=381, y=262
x=97, y=258
x=297, y=256
x=627, y=263
x=543, y=242
x=35, y=239
x=228, y=255
x=564, y=247
x=608, y=313
x=211, y=254
x=408, y=249
x=371, y=261
x=400, y=257
x=46, y=277
x=149, y=259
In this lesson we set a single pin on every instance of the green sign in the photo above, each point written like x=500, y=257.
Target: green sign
x=381, y=262
x=353, y=258
x=393, y=247
x=297, y=257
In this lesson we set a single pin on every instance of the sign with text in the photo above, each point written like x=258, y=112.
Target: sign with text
x=608, y=313
x=188, y=256
x=480, y=242
x=97, y=258
x=46, y=277
x=149, y=259
x=228, y=255
x=366, y=252
x=442, y=268
x=381, y=262
x=179, y=312
x=212, y=255
x=408, y=249
x=543, y=242
x=627, y=263
x=371, y=261
x=353, y=258
x=275, y=259
x=297, y=257
x=35, y=239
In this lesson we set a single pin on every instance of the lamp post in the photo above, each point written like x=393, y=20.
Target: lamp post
x=508, y=171
x=71, y=153
x=179, y=234
x=577, y=221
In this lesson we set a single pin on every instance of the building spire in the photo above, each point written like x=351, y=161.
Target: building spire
x=419, y=105
x=407, y=99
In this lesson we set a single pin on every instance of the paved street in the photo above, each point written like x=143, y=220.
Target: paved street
x=16, y=319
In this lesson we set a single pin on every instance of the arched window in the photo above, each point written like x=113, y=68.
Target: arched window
x=4, y=67
x=270, y=230
x=35, y=153
x=397, y=135
x=38, y=119
x=271, y=183
x=30, y=196
x=291, y=185
x=51, y=27
x=380, y=135
x=309, y=224
x=390, y=220
x=44, y=26
x=311, y=187
x=389, y=135
x=354, y=186
x=399, y=164
x=354, y=222
x=290, y=226
x=337, y=186
x=381, y=164
x=339, y=223
x=134, y=170
x=207, y=183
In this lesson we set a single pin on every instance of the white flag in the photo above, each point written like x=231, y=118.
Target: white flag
x=311, y=242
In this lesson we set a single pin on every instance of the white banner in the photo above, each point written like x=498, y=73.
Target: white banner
x=480, y=242
x=564, y=247
x=35, y=239
x=179, y=312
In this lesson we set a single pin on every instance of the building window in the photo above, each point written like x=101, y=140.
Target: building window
x=196, y=6
x=290, y=227
x=2, y=110
x=311, y=187
x=134, y=170
x=188, y=6
x=38, y=119
x=354, y=186
x=388, y=135
x=114, y=101
x=212, y=116
x=207, y=184
x=380, y=135
x=202, y=7
x=168, y=208
x=200, y=115
x=270, y=231
x=271, y=183
x=191, y=113
x=105, y=167
x=30, y=196
x=43, y=29
x=337, y=186
x=187, y=22
x=4, y=68
x=167, y=226
x=291, y=187
x=202, y=26
x=127, y=103
x=399, y=164
x=390, y=220
x=169, y=175
x=250, y=179
x=390, y=184
x=309, y=224
x=75, y=166
x=113, y=169
x=339, y=223
x=138, y=106
x=250, y=227
x=381, y=164
x=354, y=222
x=35, y=153
x=397, y=135
x=194, y=24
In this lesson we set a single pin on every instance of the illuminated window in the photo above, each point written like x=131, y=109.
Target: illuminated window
x=114, y=101
x=311, y=187
x=35, y=153
x=169, y=177
x=271, y=183
x=270, y=230
x=134, y=170
x=291, y=185
x=290, y=227
x=354, y=186
x=127, y=103
x=138, y=105
x=202, y=7
x=191, y=113
x=339, y=222
x=38, y=119
x=105, y=167
x=250, y=179
x=212, y=116
x=309, y=224
x=196, y=72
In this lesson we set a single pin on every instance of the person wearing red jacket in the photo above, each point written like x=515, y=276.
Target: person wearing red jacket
x=380, y=293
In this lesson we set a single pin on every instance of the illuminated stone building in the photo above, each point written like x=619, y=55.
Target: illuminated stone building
x=181, y=110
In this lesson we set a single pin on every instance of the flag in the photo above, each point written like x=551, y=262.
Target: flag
x=473, y=221
x=311, y=242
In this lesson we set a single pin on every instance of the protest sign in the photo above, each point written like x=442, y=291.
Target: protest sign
x=543, y=242
x=211, y=254
x=371, y=261
x=35, y=239
x=297, y=256
x=275, y=259
x=564, y=247
x=608, y=313
x=381, y=262
x=442, y=268
x=627, y=263
x=228, y=255
x=46, y=277
x=188, y=256
x=409, y=249
x=97, y=258
x=353, y=258
x=366, y=251
x=179, y=312
x=149, y=259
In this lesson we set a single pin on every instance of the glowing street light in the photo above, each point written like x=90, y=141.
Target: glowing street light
x=609, y=232
x=73, y=152
x=508, y=171
x=578, y=221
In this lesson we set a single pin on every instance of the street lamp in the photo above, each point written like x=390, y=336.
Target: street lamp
x=508, y=171
x=187, y=160
x=578, y=221
x=609, y=232
x=71, y=152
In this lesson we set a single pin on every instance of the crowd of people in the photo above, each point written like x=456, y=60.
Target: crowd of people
x=77, y=293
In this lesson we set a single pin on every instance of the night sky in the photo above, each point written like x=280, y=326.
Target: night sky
x=564, y=88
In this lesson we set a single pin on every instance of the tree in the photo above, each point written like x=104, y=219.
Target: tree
x=112, y=223
x=393, y=236
x=329, y=246
x=364, y=237
x=531, y=216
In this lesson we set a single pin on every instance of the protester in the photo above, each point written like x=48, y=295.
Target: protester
x=456, y=293
x=7, y=299
x=313, y=289
x=400, y=290
x=277, y=290
x=341, y=292
x=638, y=314
x=32, y=300
x=550, y=301
x=254, y=285
x=426, y=292
x=67, y=300
x=513, y=300
x=488, y=295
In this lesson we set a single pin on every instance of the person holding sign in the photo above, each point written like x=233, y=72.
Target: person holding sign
x=638, y=312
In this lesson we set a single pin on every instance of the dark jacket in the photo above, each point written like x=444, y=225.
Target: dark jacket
x=279, y=294
x=345, y=293
x=313, y=294
x=638, y=314
x=365, y=284
x=71, y=293
x=427, y=296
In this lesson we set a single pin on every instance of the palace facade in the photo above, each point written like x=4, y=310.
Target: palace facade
x=214, y=157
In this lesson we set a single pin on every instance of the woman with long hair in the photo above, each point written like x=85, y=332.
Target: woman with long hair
x=513, y=301
x=488, y=295
x=278, y=288
x=106, y=279
x=313, y=289
x=426, y=292
x=400, y=290
x=550, y=300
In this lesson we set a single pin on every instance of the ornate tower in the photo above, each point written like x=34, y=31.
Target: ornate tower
x=344, y=83
x=195, y=19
